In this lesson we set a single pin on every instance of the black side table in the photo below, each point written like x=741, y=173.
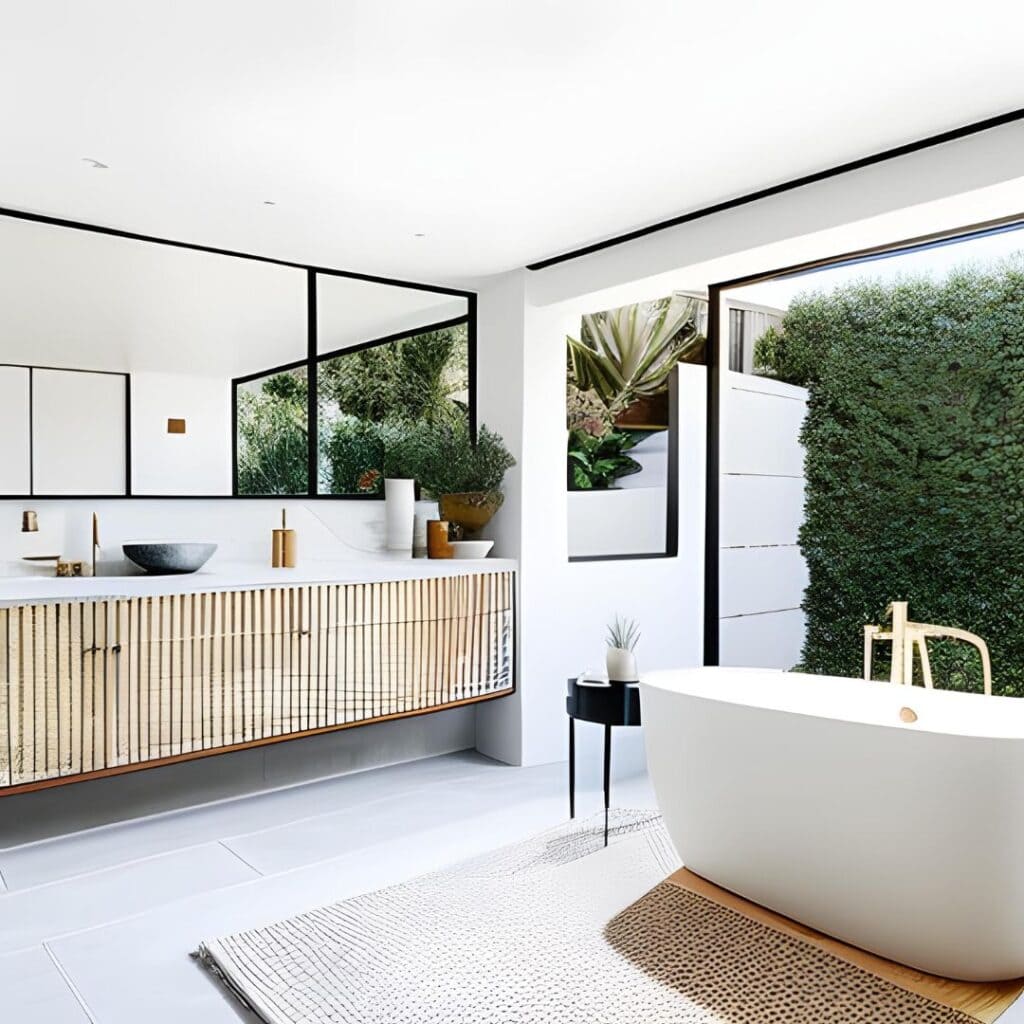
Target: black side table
x=606, y=704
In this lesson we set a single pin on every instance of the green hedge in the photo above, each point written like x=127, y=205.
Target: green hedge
x=915, y=465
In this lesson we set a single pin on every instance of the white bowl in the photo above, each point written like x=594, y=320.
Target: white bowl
x=471, y=548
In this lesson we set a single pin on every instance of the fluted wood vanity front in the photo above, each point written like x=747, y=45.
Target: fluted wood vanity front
x=98, y=686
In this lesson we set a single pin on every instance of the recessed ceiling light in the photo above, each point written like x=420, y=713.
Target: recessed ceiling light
x=269, y=202
x=419, y=234
x=97, y=164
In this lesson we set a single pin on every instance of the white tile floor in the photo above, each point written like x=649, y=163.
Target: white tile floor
x=97, y=926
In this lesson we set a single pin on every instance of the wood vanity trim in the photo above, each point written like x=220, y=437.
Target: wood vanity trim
x=103, y=773
x=100, y=687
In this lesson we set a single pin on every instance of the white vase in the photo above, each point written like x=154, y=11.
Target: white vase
x=424, y=511
x=399, y=513
x=621, y=665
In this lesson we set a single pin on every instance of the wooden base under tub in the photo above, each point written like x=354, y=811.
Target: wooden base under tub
x=982, y=1001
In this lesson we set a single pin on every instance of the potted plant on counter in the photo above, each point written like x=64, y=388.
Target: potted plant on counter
x=463, y=475
x=620, y=658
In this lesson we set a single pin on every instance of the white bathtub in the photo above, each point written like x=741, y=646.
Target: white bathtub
x=810, y=796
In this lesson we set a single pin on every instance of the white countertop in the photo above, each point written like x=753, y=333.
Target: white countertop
x=242, y=576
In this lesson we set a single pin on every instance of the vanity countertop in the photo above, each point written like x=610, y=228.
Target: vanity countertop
x=15, y=590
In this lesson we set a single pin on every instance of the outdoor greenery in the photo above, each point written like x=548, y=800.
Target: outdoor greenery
x=368, y=401
x=915, y=465
x=623, y=357
x=273, y=435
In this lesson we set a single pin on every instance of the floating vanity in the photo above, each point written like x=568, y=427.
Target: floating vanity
x=100, y=676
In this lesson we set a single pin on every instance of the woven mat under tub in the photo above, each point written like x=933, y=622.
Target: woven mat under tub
x=554, y=930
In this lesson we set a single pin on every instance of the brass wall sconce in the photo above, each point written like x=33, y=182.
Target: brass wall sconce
x=29, y=522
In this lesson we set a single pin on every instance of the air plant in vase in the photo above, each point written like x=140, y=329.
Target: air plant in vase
x=620, y=659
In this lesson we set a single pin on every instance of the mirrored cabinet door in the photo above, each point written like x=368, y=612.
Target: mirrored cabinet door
x=15, y=458
x=79, y=432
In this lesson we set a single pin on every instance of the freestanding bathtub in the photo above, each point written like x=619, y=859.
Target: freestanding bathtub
x=811, y=796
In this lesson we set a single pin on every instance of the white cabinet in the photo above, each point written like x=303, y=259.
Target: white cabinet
x=79, y=439
x=15, y=446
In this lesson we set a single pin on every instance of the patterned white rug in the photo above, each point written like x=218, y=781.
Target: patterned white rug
x=554, y=930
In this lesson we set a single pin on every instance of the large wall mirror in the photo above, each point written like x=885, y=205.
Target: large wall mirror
x=131, y=367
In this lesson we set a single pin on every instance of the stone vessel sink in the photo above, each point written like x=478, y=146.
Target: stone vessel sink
x=169, y=558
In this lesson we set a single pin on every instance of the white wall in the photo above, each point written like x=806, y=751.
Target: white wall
x=196, y=462
x=564, y=607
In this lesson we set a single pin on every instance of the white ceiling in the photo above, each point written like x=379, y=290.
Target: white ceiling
x=503, y=130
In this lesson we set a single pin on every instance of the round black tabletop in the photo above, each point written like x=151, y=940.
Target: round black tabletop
x=605, y=703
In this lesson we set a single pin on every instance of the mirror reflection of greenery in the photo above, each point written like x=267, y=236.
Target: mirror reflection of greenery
x=273, y=435
x=368, y=402
x=372, y=398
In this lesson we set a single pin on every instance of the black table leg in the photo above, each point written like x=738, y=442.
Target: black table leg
x=607, y=776
x=572, y=767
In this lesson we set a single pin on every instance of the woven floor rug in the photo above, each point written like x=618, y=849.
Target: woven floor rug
x=554, y=930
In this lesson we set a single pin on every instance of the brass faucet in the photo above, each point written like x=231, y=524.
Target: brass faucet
x=95, y=540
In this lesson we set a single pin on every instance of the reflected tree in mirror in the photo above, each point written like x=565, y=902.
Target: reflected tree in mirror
x=273, y=434
x=370, y=398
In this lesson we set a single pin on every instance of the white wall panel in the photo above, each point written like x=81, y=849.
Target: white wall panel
x=772, y=640
x=15, y=446
x=760, y=433
x=760, y=579
x=757, y=510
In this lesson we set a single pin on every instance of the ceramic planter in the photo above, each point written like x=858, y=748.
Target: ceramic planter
x=472, y=510
x=621, y=665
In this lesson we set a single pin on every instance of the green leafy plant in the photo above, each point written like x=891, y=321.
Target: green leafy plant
x=422, y=377
x=623, y=633
x=914, y=464
x=273, y=436
x=628, y=353
x=595, y=463
x=444, y=459
x=352, y=457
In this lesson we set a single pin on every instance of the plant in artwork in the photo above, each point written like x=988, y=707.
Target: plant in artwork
x=596, y=462
x=617, y=381
x=628, y=353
